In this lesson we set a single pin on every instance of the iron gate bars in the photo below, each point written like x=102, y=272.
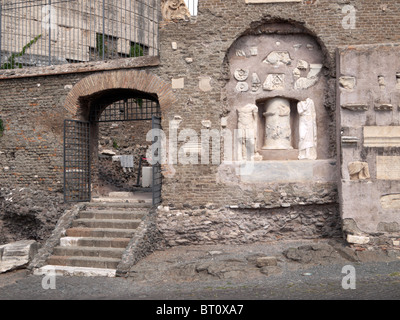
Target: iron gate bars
x=77, y=184
x=126, y=110
x=51, y=32
x=157, y=175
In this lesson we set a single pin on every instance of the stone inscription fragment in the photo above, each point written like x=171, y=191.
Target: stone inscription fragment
x=388, y=167
x=382, y=136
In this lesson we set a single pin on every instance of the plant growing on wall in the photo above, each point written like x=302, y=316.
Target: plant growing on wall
x=136, y=50
x=11, y=63
x=1, y=127
x=101, y=45
x=115, y=144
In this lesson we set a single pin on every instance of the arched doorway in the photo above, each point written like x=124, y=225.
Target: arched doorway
x=118, y=97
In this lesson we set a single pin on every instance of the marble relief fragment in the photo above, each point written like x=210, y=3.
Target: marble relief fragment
x=278, y=58
x=242, y=87
x=241, y=74
x=274, y=82
x=307, y=130
x=255, y=82
x=358, y=170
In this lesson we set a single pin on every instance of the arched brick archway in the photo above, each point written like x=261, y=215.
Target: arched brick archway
x=82, y=131
x=141, y=81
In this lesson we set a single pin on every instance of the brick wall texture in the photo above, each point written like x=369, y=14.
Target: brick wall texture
x=33, y=108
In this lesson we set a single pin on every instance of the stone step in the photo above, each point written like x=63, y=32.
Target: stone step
x=120, y=205
x=100, y=232
x=121, y=194
x=122, y=200
x=75, y=271
x=94, y=242
x=107, y=223
x=109, y=214
x=87, y=262
x=89, y=251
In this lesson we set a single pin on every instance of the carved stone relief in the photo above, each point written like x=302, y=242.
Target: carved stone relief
x=255, y=82
x=174, y=10
x=359, y=170
x=278, y=133
x=278, y=58
x=247, y=138
x=242, y=87
x=347, y=82
x=311, y=79
x=241, y=74
x=307, y=130
x=274, y=82
x=254, y=51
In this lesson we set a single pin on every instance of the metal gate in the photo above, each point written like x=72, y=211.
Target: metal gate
x=76, y=161
x=157, y=176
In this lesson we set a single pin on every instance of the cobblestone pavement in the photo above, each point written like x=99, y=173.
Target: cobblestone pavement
x=232, y=280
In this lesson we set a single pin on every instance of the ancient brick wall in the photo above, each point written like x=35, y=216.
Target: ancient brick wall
x=193, y=61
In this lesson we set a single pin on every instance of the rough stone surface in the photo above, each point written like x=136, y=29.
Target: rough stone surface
x=17, y=255
x=28, y=213
x=208, y=226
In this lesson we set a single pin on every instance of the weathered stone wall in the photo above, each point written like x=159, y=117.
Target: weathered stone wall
x=193, y=61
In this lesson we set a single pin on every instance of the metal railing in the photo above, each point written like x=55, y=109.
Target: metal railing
x=50, y=32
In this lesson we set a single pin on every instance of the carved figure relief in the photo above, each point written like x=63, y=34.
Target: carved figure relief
x=174, y=10
x=307, y=130
x=358, y=170
x=278, y=58
x=274, y=82
x=278, y=133
x=247, y=137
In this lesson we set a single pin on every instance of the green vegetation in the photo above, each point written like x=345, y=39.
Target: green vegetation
x=101, y=45
x=137, y=50
x=1, y=127
x=11, y=63
x=115, y=144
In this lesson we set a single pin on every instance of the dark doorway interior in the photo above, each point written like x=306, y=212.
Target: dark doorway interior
x=118, y=146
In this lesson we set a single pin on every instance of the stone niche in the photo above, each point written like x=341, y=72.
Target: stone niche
x=281, y=76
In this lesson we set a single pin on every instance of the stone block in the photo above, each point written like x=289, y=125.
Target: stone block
x=357, y=239
x=382, y=136
x=266, y=262
x=17, y=254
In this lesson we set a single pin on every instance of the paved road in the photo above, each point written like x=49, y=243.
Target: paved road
x=375, y=281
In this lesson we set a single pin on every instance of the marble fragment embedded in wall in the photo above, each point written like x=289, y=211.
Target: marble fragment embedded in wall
x=274, y=82
x=278, y=58
x=278, y=132
x=174, y=10
x=255, y=82
x=241, y=74
x=247, y=132
x=359, y=170
x=242, y=87
x=281, y=67
x=307, y=130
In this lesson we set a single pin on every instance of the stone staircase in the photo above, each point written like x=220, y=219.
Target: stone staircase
x=95, y=242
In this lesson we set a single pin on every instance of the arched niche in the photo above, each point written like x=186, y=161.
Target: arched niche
x=287, y=63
